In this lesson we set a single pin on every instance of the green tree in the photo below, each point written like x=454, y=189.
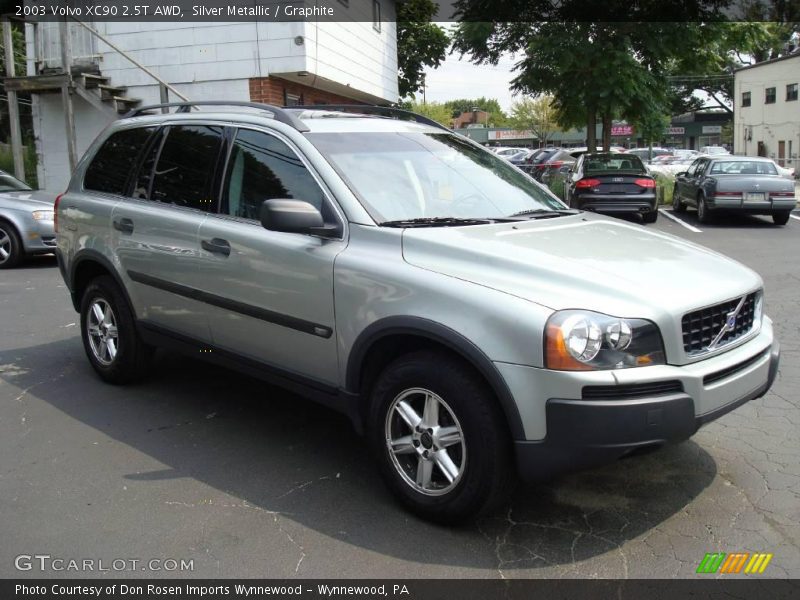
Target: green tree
x=420, y=44
x=497, y=118
x=535, y=114
x=433, y=110
x=595, y=70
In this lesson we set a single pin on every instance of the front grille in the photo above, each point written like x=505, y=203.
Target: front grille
x=732, y=370
x=701, y=327
x=631, y=390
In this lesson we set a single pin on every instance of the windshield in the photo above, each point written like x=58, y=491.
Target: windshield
x=400, y=176
x=743, y=167
x=604, y=163
x=12, y=184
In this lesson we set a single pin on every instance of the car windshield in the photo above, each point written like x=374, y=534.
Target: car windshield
x=743, y=167
x=12, y=184
x=401, y=176
x=605, y=163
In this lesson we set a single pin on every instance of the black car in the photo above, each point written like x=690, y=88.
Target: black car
x=734, y=183
x=543, y=163
x=609, y=182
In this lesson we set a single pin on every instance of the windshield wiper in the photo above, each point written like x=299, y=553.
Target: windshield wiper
x=545, y=213
x=440, y=222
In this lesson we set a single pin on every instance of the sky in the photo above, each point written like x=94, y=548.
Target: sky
x=457, y=78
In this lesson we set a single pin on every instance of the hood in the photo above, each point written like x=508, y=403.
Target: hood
x=583, y=261
x=36, y=200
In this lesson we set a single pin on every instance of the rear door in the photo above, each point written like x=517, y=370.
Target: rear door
x=272, y=291
x=155, y=231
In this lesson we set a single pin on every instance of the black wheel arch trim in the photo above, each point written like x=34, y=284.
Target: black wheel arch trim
x=89, y=254
x=447, y=337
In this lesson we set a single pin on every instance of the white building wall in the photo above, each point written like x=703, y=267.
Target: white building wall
x=768, y=123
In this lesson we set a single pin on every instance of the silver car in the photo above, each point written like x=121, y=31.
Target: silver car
x=26, y=221
x=471, y=325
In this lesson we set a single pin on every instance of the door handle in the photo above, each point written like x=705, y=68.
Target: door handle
x=124, y=225
x=217, y=246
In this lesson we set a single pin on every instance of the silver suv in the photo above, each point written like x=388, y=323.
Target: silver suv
x=471, y=325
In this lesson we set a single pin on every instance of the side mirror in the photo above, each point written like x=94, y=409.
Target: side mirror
x=294, y=216
x=565, y=169
x=681, y=174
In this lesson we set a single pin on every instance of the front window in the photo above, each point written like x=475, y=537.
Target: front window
x=745, y=99
x=743, y=167
x=791, y=92
x=769, y=96
x=400, y=176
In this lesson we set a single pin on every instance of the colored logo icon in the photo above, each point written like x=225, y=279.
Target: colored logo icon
x=735, y=562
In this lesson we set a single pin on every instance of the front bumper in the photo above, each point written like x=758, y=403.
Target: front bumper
x=586, y=433
x=39, y=237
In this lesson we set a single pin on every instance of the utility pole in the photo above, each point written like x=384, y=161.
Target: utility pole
x=13, y=105
x=66, y=93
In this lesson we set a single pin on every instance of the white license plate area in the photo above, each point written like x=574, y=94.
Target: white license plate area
x=755, y=197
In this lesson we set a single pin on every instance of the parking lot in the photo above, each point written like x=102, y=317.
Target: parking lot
x=245, y=480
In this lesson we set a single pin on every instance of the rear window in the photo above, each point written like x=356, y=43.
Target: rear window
x=743, y=167
x=110, y=167
x=614, y=162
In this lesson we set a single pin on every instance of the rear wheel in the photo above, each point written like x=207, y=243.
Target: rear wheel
x=702, y=210
x=781, y=218
x=109, y=333
x=441, y=439
x=677, y=205
x=650, y=217
x=10, y=246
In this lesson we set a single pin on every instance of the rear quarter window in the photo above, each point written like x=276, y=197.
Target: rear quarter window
x=117, y=157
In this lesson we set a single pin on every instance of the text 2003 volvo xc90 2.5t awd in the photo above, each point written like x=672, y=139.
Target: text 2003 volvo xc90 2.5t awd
x=470, y=324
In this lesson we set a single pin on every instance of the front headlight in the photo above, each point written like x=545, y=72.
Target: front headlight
x=578, y=340
x=43, y=215
x=758, y=310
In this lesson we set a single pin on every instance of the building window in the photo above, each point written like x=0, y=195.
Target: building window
x=791, y=92
x=290, y=99
x=769, y=97
x=376, y=15
x=745, y=99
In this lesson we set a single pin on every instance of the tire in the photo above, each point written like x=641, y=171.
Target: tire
x=475, y=447
x=677, y=205
x=702, y=210
x=110, y=337
x=11, y=252
x=650, y=217
x=781, y=218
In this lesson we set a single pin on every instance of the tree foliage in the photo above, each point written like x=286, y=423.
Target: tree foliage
x=420, y=44
x=536, y=114
x=497, y=117
x=433, y=110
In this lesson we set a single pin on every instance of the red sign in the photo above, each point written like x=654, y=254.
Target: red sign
x=617, y=130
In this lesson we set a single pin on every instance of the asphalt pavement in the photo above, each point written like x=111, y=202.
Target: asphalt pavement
x=240, y=479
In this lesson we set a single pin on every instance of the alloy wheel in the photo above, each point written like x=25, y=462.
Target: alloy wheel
x=101, y=325
x=425, y=442
x=5, y=246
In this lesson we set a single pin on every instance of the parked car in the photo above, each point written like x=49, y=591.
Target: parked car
x=644, y=154
x=26, y=221
x=671, y=166
x=505, y=152
x=684, y=153
x=734, y=183
x=576, y=152
x=613, y=184
x=542, y=164
x=520, y=157
x=468, y=322
x=712, y=150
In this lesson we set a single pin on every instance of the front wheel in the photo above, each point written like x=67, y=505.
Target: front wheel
x=677, y=205
x=10, y=246
x=781, y=218
x=109, y=333
x=440, y=436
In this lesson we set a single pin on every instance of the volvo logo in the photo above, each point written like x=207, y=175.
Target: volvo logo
x=730, y=324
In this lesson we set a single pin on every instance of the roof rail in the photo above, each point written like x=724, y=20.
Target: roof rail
x=278, y=113
x=383, y=111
